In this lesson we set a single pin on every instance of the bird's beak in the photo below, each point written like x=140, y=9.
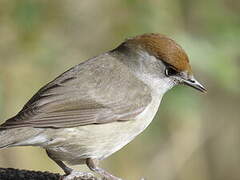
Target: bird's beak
x=192, y=82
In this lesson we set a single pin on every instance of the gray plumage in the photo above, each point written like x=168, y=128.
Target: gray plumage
x=100, y=90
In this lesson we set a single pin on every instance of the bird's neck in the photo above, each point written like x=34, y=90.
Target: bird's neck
x=146, y=68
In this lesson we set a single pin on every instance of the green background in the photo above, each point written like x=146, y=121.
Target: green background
x=193, y=137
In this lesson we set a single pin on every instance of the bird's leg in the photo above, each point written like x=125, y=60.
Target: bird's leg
x=66, y=169
x=69, y=172
x=93, y=165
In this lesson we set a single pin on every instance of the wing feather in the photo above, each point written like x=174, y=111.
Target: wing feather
x=101, y=90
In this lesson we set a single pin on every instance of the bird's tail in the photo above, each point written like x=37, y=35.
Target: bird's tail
x=14, y=137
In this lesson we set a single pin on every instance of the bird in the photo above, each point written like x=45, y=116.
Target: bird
x=100, y=105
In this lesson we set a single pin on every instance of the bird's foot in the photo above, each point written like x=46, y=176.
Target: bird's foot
x=77, y=175
x=92, y=164
x=111, y=177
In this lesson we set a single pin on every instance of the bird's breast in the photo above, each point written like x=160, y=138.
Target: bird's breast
x=98, y=141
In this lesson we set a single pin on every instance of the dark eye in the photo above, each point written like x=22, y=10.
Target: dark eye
x=170, y=71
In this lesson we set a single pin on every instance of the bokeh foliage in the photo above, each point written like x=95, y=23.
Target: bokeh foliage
x=194, y=136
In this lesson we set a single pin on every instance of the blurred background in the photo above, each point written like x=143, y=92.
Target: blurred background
x=194, y=136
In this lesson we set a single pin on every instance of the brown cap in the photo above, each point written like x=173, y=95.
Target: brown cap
x=163, y=48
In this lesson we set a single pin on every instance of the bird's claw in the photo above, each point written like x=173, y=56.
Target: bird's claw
x=77, y=175
x=111, y=178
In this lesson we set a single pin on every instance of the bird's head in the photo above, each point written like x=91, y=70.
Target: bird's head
x=163, y=57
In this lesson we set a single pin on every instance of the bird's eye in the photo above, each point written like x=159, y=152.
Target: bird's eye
x=170, y=71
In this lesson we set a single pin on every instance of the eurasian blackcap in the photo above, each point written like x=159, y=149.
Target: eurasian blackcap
x=97, y=107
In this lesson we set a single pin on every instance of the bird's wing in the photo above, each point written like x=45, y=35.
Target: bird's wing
x=101, y=90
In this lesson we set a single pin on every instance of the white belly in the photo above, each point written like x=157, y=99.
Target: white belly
x=74, y=145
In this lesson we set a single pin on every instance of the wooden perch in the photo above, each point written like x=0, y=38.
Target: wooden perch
x=16, y=174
